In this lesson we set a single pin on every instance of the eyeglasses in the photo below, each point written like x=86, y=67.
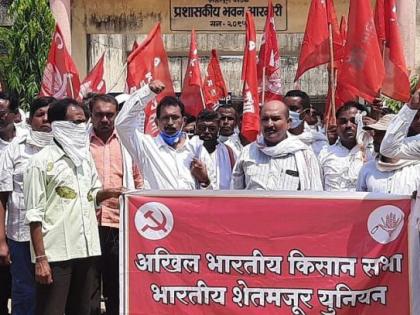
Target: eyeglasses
x=344, y=121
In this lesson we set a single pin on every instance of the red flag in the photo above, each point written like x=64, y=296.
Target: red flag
x=315, y=48
x=269, y=59
x=214, y=86
x=192, y=89
x=362, y=71
x=396, y=84
x=380, y=21
x=146, y=63
x=250, y=118
x=94, y=81
x=61, y=78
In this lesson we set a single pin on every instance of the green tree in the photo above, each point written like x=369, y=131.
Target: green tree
x=395, y=105
x=27, y=43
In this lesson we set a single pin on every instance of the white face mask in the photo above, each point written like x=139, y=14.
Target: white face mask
x=73, y=138
x=295, y=119
x=39, y=138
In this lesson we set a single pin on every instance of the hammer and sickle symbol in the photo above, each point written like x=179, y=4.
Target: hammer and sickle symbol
x=159, y=226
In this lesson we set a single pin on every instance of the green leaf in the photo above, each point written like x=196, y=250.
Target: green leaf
x=27, y=43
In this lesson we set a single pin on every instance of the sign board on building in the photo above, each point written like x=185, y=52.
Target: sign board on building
x=224, y=15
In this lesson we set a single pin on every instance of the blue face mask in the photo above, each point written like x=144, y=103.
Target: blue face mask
x=171, y=139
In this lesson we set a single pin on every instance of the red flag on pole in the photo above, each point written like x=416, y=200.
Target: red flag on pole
x=214, y=86
x=192, y=89
x=268, y=67
x=61, y=78
x=380, y=22
x=315, y=48
x=251, y=116
x=146, y=63
x=396, y=83
x=94, y=81
x=362, y=72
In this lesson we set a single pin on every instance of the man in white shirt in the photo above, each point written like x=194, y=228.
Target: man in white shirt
x=276, y=160
x=8, y=111
x=342, y=161
x=222, y=156
x=229, y=121
x=298, y=102
x=388, y=175
x=12, y=166
x=396, y=144
x=61, y=190
x=169, y=160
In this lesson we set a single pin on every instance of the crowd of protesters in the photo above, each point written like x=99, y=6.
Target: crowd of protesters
x=63, y=168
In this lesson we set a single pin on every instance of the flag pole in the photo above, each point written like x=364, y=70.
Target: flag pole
x=118, y=78
x=332, y=74
x=263, y=87
x=202, y=98
x=71, y=85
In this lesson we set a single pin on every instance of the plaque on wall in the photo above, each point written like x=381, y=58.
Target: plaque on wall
x=224, y=15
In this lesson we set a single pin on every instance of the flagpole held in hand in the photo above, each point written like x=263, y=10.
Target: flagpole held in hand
x=332, y=74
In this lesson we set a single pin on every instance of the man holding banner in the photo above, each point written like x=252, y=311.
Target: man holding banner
x=170, y=160
x=276, y=160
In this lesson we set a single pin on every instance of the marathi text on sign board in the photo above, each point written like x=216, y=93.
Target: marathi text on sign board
x=224, y=15
x=226, y=255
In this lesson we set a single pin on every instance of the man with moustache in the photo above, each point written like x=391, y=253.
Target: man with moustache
x=228, y=122
x=115, y=169
x=222, y=156
x=276, y=160
x=9, y=109
x=170, y=160
x=12, y=166
x=342, y=161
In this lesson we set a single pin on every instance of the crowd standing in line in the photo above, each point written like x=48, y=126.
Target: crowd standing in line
x=63, y=169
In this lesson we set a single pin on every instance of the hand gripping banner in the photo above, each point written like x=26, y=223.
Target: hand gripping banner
x=269, y=253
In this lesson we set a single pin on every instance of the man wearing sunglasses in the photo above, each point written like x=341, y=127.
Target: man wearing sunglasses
x=299, y=106
x=342, y=161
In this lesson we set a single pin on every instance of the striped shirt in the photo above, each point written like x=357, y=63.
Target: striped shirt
x=256, y=171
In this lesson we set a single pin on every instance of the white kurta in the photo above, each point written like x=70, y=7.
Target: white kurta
x=295, y=167
x=162, y=166
x=396, y=144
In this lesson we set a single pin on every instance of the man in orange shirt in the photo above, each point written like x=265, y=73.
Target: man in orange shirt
x=115, y=169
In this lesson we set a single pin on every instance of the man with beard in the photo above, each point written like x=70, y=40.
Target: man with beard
x=276, y=160
x=222, y=156
x=61, y=190
x=12, y=166
x=402, y=139
x=115, y=169
x=388, y=175
x=299, y=103
x=170, y=160
x=342, y=161
x=228, y=122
